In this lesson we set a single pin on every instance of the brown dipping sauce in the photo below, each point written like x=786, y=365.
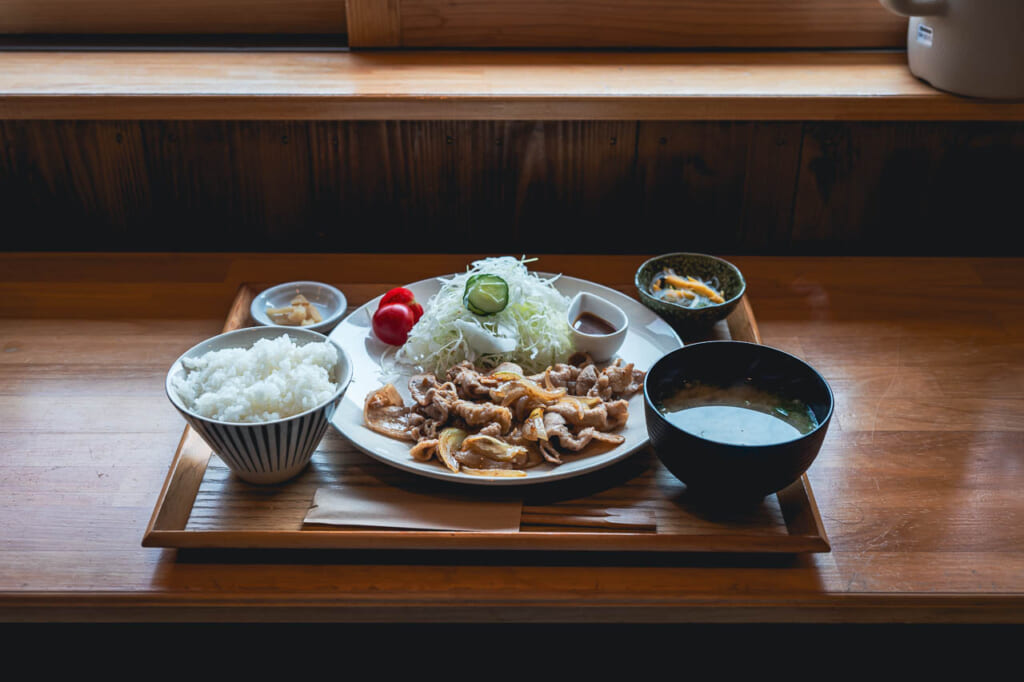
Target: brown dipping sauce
x=589, y=323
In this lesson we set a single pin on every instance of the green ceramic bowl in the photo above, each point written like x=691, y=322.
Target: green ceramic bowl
x=685, y=320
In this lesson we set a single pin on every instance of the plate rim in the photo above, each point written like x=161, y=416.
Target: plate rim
x=500, y=481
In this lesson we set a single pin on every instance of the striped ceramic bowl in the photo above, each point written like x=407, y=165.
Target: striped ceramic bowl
x=263, y=452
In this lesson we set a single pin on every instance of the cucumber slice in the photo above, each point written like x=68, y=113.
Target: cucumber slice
x=485, y=294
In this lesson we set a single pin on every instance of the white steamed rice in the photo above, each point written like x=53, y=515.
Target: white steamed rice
x=274, y=379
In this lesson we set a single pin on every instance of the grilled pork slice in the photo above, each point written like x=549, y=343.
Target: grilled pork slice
x=385, y=412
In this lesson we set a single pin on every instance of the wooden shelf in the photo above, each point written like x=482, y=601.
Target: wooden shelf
x=475, y=85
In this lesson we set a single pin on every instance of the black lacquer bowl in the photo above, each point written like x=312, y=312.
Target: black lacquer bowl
x=725, y=471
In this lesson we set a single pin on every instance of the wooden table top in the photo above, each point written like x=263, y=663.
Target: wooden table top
x=918, y=483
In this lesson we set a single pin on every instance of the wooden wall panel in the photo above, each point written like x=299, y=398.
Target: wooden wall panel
x=172, y=16
x=440, y=185
x=636, y=23
x=714, y=185
x=573, y=184
x=512, y=186
x=375, y=23
x=901, y=185
x=195, y=183
x=76, y=185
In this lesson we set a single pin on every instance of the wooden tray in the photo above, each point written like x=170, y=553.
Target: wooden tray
x=634, y=505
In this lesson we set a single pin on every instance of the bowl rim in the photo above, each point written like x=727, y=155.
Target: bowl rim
x=333, y=318
x=653, y=259
x=343, y=384
x=822, y=423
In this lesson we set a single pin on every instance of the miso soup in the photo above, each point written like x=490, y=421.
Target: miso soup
x=740, y=414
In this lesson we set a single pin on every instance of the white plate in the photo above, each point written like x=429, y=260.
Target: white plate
x=649, y=337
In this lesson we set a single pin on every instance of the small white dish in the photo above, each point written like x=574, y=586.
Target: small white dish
x=329, y=301
x=601, y=347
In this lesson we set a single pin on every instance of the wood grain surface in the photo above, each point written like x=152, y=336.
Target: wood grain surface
x=647, y=23
x=742, y=187
x=374, y=23
x=918, y=482
x=633, y=507
x=478, y=85
x=171, y=16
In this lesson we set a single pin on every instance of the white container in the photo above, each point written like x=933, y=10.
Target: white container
x=331, y=303
x=967, y=47
x=600, y=347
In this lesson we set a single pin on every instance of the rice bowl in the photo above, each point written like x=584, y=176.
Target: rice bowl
x=269, y=447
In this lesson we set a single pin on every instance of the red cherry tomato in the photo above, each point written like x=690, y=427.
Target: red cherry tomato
x=417, y=310
x=405, y=297
x=392, y=322
x=397, y=295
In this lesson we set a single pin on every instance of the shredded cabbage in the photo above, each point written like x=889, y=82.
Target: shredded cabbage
x=532, y=331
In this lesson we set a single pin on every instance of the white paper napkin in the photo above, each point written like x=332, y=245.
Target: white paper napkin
x=388, y=507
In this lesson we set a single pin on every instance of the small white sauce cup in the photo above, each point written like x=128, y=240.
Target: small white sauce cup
x=600, y=347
